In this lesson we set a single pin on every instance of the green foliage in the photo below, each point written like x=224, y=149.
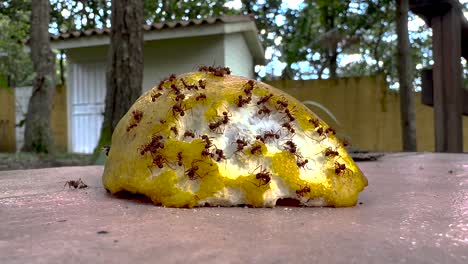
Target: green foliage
x=15, y=64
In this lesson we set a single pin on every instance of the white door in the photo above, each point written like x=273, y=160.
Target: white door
x=87, y=93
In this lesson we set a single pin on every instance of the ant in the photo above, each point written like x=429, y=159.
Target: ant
x=206, y=152
x=202, y=83
x=179, y=159
x=208, y=143
x=241, y=101
x=153, y=146
x=75, y=184
x=180, y=97
x=155, y=96
x=160, y=86
x=331, y=153
x=330, y=130
x=257, y=149
x=314, y=121
x=339, y=168
x=270, y=135
x=192, y=172
x=292, y=148
x=281, y=104
x=320, y=131
x=213, y=126
x=260, y=138
x=201, y=96
x=264, y=99
x=264, y=110
x=175, y=89
x=302, y=163
x=288, y=126
x=177, y=108
x=303, y=191
x=172, y=77
x=162, y=121
x=189, y=133
x=174, y=129
x=220, y=154
x=131, y=126
x=226, y=117
x=189, y=86
x=106, y=150
x=249, y=88
x=241, y=144
x=137, y=115
x=264, y=176
x=159, y=161
x=289, y=115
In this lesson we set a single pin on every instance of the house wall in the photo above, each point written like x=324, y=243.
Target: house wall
x=178, y=56
x=237, y=55
x=367, y=112
x=7, y=120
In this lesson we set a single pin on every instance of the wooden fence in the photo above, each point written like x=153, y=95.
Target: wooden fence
x=368, y=114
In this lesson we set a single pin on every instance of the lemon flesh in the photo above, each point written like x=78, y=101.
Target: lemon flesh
x=202, y=139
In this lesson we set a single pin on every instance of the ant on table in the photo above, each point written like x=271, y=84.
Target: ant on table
x=78, y=184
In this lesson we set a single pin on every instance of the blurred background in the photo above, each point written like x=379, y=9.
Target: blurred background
x=372, y=69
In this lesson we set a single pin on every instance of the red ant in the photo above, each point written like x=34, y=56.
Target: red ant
x=180, y=97
x=289, y=115
x=226, y=117
x=202, y=83
x=303, y=191
x=75, y=184
x=206, y=152
x=264, y=99
x=201, y=96
x=159, y=161
x=137, y=115
x=160, y=86
x=257, y=149
x=270, y=135
x=320, y=131
x=162, y=121
x=177, y=108
x=220, y=154
x=154, y=96
x=189, y=133
x=192, y=173
x=264, y=176
x=281, y=104
x=241, y=144
x=131, y=126
x=189, y=86
x=339, y=168
x=288, y=126
x=172, y=77
x=208, y=143
x=174, y=129
x=179, y=159
x=249, y=88
x=214, y=126
x=175, y=89
x=264, y=110
x=330, y=130
x=241, y=101
x=331, y=153
x=314, y=121
x=153, y=146
x=302, y=163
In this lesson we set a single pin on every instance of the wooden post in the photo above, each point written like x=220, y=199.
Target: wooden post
x=447, y=82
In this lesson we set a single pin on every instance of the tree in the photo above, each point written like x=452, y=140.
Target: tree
x=38, y=134
x=125, y=64
x=408, y=121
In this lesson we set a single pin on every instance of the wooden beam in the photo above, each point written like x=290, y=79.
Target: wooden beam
x=427, y=91
x=447, y=82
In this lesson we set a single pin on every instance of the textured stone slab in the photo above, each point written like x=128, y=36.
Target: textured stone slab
x=414, y=210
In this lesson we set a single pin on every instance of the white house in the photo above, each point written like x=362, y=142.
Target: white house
x=170, y=47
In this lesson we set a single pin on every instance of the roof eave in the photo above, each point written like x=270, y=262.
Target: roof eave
x=248, y=29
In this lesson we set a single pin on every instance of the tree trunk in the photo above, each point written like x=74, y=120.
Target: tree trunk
x=125, y=64
x=38, y=132
x=405, y=76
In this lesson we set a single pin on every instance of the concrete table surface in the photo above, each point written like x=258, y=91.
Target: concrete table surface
x=414, y=210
